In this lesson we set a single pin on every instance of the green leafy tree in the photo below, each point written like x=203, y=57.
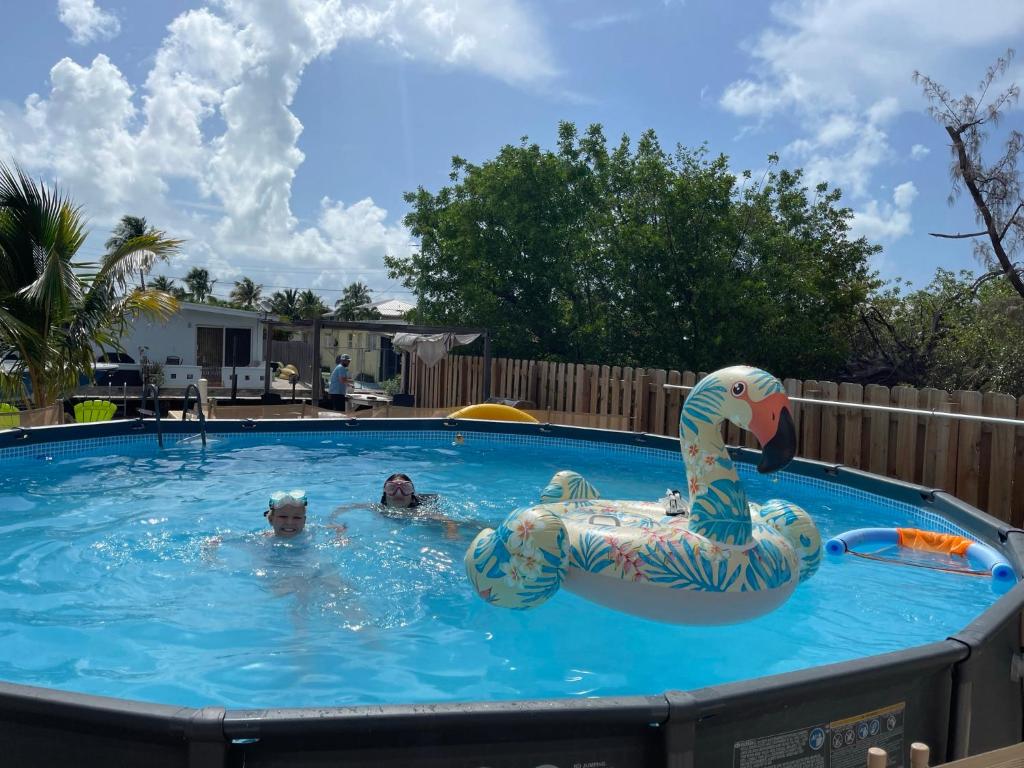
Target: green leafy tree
x=135, y=232
x=640, y=256
x=54, y=309
x=200, y=287
x=960, y=332
x=247, y=294
x=354, y=303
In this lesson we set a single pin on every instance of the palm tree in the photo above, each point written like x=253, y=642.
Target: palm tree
x=310, y=305
x=246, y=293
x=199, y=284
x=162, y=283
x=354, y=303
x=285, y=303
x=133, y=228
x=55, y=310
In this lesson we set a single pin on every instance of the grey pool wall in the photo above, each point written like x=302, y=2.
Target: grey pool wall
x=962, y=695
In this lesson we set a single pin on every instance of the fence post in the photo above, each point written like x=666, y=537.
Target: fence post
x=641, y=394
x=658, y=378
x=1000, y=465
x=968, y=449
x=810, y=434
x=935, y=463
x=1017, y=504
x=794, y=388
x=672, y=404
x=853, y=423
x=906, y=433
x=582, y=389
x=878, y=429
x=829, y=421
x=621, y=397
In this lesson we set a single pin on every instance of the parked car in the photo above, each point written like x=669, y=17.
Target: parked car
x=9, y=360
x=115, y=357
x=117, y=369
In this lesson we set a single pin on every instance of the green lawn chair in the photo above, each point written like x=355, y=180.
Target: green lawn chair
x=94, y=410
x=10, y=416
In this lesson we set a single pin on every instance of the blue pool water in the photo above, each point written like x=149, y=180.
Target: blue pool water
x=144, y=574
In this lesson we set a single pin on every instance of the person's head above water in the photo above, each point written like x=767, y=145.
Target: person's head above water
x=399, y=491
x=287, y=512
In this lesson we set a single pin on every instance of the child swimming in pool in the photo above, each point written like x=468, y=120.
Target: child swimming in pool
x=399, y=491
x=286, y=512
x=399, y=500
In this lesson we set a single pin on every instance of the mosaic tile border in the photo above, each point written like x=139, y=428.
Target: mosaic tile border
x=70, y=448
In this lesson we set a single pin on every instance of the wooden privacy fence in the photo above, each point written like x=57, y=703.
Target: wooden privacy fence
x=979, y=462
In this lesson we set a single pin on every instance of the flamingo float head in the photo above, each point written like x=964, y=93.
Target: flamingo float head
x=753, y=399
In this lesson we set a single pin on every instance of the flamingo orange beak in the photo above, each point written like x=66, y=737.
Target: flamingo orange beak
x=772, y=425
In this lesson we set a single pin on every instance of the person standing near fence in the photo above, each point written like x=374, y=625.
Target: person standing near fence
x=338, y=385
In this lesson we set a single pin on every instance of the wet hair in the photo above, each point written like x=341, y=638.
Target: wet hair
x=414, y=502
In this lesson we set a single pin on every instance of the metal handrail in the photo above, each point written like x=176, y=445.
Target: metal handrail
x=892, y=409
x=143, y=411
x=199, y=401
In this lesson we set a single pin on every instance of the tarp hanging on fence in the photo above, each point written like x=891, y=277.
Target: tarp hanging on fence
x=431, y=348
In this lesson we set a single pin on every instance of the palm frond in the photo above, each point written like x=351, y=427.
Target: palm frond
x=137, y=253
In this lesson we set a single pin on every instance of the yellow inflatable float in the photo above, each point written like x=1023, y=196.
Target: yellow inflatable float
x=492, y=412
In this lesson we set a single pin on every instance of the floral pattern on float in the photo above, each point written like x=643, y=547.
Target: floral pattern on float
x=751, y=557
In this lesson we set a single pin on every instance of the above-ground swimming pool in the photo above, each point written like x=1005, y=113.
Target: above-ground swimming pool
x=144, y=573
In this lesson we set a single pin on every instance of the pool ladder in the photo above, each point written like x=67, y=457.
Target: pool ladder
x=154, y=391
x=189, y=391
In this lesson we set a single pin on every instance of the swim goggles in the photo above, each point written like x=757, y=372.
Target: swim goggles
x=403, y=487
x=285, y=498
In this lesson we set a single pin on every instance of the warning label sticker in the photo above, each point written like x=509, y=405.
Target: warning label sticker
x=851, y=738
x=837, y=744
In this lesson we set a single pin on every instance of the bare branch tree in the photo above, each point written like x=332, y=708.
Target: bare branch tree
x=995, y=189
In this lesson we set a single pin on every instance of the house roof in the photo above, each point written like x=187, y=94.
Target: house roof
x=229, y=311
x=392, y=307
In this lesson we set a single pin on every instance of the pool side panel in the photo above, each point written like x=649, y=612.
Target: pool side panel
x=623, y=732
x=41, y=726
x=988, y=711
x=919, y=679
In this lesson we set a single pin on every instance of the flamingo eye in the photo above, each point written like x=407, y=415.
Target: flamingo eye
x=738, y=389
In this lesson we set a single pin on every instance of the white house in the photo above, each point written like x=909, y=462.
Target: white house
x=201, y=341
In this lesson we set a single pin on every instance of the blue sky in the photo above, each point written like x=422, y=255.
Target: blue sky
x=279, y=136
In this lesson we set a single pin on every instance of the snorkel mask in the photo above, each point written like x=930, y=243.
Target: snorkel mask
x=288, y=498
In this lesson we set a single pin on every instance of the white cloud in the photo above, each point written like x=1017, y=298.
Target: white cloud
x=823, y=56
x=499, y=38
x=904, y=195
x=87, y=21
x=842, y=71
x=213, y=118
x=919, y=152
x=886, y=222
x=838, y=127
x=845, y=153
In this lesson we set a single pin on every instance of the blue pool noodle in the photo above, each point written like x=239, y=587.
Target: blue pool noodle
x=981, y=556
